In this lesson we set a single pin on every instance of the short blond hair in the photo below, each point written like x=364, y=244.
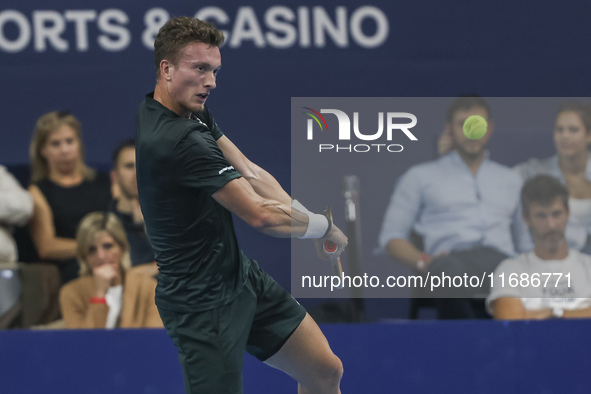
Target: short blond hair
x=46, y=125
x=92, y=224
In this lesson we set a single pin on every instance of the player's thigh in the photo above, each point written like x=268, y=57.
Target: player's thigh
x=277, y=316
x=306, y=355
x=211, y=345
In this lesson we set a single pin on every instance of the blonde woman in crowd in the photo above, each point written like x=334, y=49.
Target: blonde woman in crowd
x=64, y=189
x=108, y=293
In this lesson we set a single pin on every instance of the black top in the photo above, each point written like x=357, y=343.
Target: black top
x=70, y=204
x=179, y=167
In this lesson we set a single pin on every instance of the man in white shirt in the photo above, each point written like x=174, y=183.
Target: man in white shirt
x=16, y=207
x=552, y=281
x=465, y=207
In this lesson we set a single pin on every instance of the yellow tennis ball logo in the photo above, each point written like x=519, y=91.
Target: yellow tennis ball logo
x=475, y=127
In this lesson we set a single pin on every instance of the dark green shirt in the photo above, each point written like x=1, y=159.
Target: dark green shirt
x=179, y=167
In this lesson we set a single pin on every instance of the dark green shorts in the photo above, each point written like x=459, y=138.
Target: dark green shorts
x=211, y=343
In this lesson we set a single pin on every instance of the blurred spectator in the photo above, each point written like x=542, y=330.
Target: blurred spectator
x=108, y=293
x=126, y=205
x=572, y=166
x=553, y=280
x=30, y=289
x=16, y=207
x=464, y=207
x=64, y=189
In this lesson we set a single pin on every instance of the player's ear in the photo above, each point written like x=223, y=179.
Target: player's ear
x=165, y=69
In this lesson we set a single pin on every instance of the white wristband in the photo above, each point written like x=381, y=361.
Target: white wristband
x=298, y=205
x=317, y=224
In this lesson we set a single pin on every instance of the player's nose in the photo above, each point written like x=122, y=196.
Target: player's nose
x=211, y=80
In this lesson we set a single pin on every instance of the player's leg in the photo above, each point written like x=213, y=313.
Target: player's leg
x=307, y=357
x=211, y=344
x=284, y=336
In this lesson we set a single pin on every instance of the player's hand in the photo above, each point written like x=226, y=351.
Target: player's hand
x=445, y=143
x=335, y=236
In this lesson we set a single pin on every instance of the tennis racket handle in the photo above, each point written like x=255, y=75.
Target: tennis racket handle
x=330, y=247
x=337, y=269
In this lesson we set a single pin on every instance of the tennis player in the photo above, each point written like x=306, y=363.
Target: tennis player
x=214, y=301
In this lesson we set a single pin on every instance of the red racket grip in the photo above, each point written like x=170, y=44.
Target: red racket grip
x=330, y=247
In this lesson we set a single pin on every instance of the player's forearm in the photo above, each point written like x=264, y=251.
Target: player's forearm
x=280, y=220
x=403, y=250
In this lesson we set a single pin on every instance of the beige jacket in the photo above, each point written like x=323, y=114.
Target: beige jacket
x=138, y=309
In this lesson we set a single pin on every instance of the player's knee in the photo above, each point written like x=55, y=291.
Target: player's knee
x=325, y=376
x=332, y=371
x=339, y=370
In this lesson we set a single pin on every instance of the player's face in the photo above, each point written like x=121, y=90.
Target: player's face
x=570, y=135
x=547, y=223
x=125, y=173
x=194, y=76
x=104, y=250
x=62, y=149
x=465, y=146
